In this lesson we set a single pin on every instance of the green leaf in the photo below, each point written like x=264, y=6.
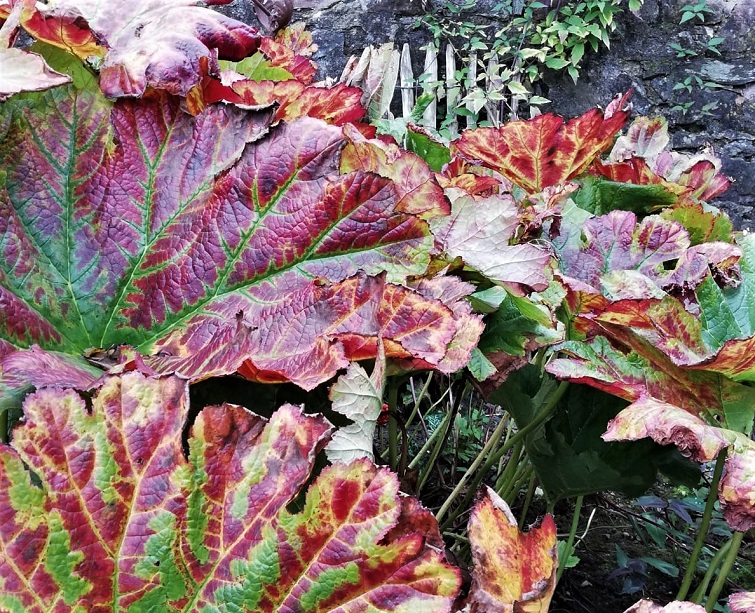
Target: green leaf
x=601, y=196
x=568, y=453
x=556, y=63
x=436, y=154
x=516, y=88
x=258, y=68
x=480, y=367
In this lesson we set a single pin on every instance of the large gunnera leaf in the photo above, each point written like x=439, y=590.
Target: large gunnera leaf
x=116, y=519
x=207, y=241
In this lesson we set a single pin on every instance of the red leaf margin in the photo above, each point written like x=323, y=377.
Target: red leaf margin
x=668, y=424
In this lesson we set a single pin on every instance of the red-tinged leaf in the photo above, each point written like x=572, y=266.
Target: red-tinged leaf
x=418, y=192
x=204, y=241
x=639, y=172
x=297, y=38
x=645, y=138
x=646, y=371
x=668, y=424
x=27, y=368
x=591, y=251
x=460, y=174
x=743, y=602
x=70, y=32
x=313, y=333
x=22, y=71
x=452, y=293
x=648, y=606
x=543, y=151
x=481, y=233
x=616, y=242
x=289, y=59
x=699, y=173
x=704, y=181
x=666, y=325
x=337, y=105
x=143, y=44
x=512, y=571
x=120, y=519
x=644, y=152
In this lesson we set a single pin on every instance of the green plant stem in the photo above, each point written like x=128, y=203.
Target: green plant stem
x=392, y=426
x=734, y=544
x=436, y=433
x=544, y=413
x=430, y=464
x=440, y=443
x=418, y=401
x=492, y=442
x=689, y=574
x=570, y=542
x=527, y=500
x=522, y=476
x=715, y=562
x=476, y=482
x=509, y=472
x=4, y=426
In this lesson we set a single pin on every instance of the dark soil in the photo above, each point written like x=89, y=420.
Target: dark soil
x=589, y=586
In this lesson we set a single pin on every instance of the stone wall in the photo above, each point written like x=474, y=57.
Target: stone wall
x=640, y=57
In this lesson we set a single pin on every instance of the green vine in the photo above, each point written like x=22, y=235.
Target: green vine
x=525, y=40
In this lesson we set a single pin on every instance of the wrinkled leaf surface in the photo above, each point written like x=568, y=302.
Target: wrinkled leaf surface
x=142, y=43
x=120, y=520
x=668, y=424
x=543, y=151
x=208, y=240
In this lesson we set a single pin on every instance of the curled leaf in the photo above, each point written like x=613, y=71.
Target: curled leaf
x=143, y=44
x=668, y=424
x=481, y=232
x=744, y=602
x=359, y=397
x=512, y=571
x=22, y=71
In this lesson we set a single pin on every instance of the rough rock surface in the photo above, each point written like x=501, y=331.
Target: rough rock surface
x=720, y=113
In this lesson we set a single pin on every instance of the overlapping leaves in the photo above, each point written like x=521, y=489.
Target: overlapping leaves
x=209, y=240
x=120, y=520
x=21, y=71
x=140, y=43
x=668, y=424
x=669, y=327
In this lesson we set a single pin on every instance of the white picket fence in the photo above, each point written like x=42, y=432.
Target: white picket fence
x=384, y=73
